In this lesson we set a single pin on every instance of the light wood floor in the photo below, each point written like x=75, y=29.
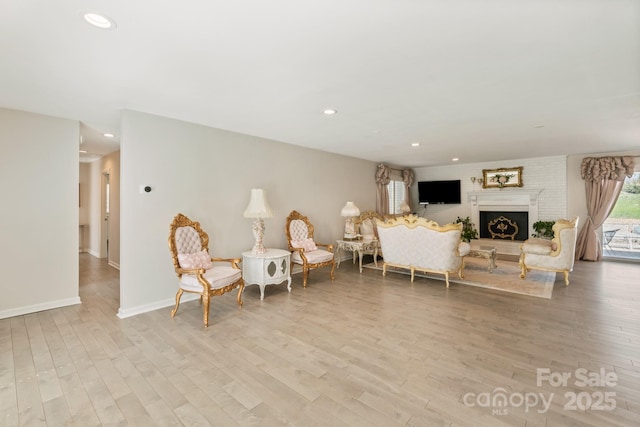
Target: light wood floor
x=361, y=351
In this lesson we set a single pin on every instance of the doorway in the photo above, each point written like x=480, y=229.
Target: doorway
x=106, y=207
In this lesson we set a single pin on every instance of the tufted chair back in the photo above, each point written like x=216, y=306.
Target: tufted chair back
x=186, y=237
x=299, y=230
x=187, y=240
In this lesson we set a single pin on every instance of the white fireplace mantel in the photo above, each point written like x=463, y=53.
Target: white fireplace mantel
x=507, y=198
x=504, y=196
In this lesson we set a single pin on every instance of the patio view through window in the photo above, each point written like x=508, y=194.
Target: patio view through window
x=621, y=231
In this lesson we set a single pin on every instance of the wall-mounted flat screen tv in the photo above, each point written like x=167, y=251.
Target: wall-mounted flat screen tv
x=439, y=192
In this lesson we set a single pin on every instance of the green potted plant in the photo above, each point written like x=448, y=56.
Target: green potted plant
x=544, y=229
x=468, y=229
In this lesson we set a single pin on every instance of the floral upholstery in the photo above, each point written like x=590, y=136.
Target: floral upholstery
x=305, y=251
x=200, y=259
x=418, y=244
x=556, y=255
x=307, y=244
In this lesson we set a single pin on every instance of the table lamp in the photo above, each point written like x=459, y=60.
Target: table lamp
x=350, y=211
x=258, y=209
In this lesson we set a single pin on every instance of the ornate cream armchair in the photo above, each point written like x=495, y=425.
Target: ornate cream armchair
x=189, y=246
x=418, y=244
x=305, y=251
x=556, y=255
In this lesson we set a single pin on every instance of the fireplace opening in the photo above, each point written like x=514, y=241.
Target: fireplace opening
x=504, y=225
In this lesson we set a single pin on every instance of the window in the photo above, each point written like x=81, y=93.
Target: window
x=396, y=196
x=621, y=230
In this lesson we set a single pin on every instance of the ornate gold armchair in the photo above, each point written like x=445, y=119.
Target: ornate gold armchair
x=367, y=227
x=305, y=251
x=557, y=254
x=196, y=271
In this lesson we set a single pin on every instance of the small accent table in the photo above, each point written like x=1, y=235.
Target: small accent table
x=269, y=268
x=486, y=252
x=358, y=247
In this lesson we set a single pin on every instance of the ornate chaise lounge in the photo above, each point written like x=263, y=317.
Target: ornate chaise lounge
x=557, y=254
x=415, y=243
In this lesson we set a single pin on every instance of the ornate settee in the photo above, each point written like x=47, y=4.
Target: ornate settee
x=418, y=244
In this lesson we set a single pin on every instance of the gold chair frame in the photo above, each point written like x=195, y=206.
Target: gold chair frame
x=207, y=292
x=306, y=265
x=373, y=216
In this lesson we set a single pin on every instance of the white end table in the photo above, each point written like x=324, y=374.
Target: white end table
x=269, y=268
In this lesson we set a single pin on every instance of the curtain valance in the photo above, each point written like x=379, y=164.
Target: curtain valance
x=611, y=168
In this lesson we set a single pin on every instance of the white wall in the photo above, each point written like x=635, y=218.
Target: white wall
x=39, y=215
x=207, y=174
x=548, y=174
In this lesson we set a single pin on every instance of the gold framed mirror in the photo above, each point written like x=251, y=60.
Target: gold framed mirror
x=502, y=177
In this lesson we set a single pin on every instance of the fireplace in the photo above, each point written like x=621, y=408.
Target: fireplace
x=504, y=225
x=509, y=203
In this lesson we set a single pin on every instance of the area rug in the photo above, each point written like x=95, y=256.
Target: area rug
x=505, y=277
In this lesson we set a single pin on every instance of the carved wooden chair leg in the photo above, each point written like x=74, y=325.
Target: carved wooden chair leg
x=240, y=291
x=178, y=296
x=566, y=278
x=207, y=301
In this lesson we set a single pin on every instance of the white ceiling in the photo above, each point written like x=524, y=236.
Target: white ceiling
x=478, y=80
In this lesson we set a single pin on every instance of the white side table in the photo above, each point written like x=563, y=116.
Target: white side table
x=358, y=247
x=269, y=268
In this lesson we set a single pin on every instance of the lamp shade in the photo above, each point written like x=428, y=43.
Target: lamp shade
x=350, y=210
x=405, y=208
x=258, y=207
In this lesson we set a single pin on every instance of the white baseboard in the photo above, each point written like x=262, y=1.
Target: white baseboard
x=114, y=265
x=39, y=307
x=133, y=311
x=94, y=253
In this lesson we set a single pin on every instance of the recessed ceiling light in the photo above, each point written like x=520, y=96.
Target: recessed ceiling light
x=455, y=159
x=100, y=21
x=415, y=144
x=538, y=126
x=330, y=111
x=83, y=151
x=109, y=135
